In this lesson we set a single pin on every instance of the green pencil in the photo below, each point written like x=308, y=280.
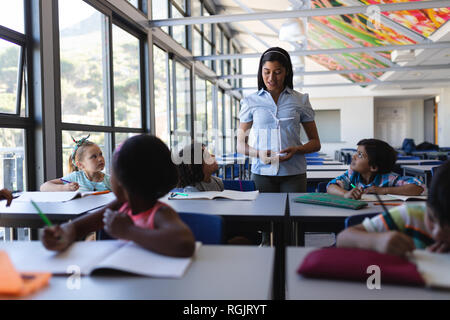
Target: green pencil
x=42, y=215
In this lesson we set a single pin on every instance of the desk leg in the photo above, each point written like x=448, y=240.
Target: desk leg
x=34, y=234
x=300, y=234
x=279, y=277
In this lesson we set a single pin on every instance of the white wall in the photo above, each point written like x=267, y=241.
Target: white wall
x=444, y=118
x=396, y=119
x=357, y=120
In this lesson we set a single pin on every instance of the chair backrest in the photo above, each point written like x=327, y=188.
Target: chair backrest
x=430, y=163
x=310, y=162
x=358, y=218
x=312, y=154
x=239, y=185
x=322, y=187
x=206, y=228
x=433, y=171
x=408, y=158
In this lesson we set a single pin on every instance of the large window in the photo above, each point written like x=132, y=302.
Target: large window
x=84, y=65
x=101, y=83
x=15, y=126
x=161, y=97
x=127, y=93
x=160, y=10
x=201, y=122
x=181, y=104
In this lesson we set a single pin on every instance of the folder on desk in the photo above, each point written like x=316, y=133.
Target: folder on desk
x=14, y=283
x=325, y=199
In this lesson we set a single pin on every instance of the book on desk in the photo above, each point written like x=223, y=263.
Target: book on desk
x=211, y=195
x=95, y=257
x=58, y=196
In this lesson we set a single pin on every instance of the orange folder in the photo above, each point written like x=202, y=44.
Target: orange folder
x=19, y=284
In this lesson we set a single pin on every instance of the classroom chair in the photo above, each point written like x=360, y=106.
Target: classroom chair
x=239, y=185
x=408, y=158
x=322, y=187
x=309, y=162
x=312, y=154
x=433, y=171
x=206, y=228
x=430, y=163
x=358, y=218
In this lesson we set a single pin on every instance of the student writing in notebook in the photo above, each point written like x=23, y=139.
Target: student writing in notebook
x=85, y=166
x=196, y=169
x=412, y=225
x=142, y=173
x=370, y=172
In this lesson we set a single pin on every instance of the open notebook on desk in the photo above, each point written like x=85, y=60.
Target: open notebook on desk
x=210, y=195
x=391, y=197
x=92, y=257
x=434, y=267
x=60, y=196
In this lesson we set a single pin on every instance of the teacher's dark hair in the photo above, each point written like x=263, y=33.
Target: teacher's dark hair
x=282, y=56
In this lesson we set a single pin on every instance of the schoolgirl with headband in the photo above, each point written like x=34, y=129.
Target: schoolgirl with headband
x=86, y=163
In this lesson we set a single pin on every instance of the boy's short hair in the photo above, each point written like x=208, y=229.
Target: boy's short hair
x=190, y=172
x=380, y=153
x=439, y=194
x=143, y=165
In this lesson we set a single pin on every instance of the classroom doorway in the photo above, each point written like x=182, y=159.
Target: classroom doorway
x=430, y=120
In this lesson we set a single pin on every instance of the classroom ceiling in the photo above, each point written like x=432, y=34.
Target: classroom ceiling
x=407, y=27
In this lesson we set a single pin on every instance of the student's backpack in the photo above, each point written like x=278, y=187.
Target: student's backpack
x=408, y=145
x=427, y=146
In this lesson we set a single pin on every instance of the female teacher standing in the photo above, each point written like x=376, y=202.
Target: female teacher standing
x=274, y=113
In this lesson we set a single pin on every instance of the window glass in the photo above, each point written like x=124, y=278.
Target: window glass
x=127, y=95
x=160, y=94
x=83, y=63
x=12, y=159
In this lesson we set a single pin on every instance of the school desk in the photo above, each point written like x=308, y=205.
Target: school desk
x=419, y=171
x=412, y=162
x=267, y=208
x=306, y=217
x=322, y=176
x=324, y=167
x=332, y=162
x=217, y=272
x=301, y=288
x=24, y=215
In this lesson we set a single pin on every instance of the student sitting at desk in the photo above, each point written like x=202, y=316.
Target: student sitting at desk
x=85, y=166
x=142, y=173
x=196, y=169
x=412, y=225
x=370, y=172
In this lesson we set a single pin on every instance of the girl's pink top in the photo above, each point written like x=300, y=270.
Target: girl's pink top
x=143, y=219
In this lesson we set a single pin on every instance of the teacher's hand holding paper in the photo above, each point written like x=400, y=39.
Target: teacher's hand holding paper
x=287, y=153
x=117, y=223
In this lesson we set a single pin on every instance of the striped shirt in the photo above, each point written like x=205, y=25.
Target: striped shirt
x=408, y=219
x=381, y=180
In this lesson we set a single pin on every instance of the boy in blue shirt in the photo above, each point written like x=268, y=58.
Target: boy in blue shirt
x=370, y=172
x=412, y=225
